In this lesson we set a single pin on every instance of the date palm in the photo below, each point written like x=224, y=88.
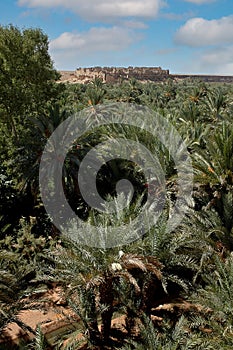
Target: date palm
x=215, y=103
x=95, y=92
x=14, y=279
x=94, y=279
x=217, y=296
x=41, y=127
x=214, y=164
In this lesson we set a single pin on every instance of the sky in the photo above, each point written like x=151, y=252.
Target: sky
x=184, y=36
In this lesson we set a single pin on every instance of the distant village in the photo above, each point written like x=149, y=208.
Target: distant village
x=144, y=74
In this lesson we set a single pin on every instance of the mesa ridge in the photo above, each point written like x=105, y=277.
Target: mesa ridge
x=144, y=74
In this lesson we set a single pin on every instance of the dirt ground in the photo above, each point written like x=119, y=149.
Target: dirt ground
x=53, y=316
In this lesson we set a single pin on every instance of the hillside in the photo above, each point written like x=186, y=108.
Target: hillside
x=145, y=74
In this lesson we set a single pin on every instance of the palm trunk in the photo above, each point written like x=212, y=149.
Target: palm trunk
x=92, y=324
x=106, y=299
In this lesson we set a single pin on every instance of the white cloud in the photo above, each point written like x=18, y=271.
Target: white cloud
x=219, y=59
x=197, y=32
x=200, y=2
x=135, y=24
x=176, y=16
x=96, y=39
x=101, y=9
x=73, y=48
x=213, y=61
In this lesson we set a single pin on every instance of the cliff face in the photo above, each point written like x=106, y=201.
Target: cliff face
x=117, y=74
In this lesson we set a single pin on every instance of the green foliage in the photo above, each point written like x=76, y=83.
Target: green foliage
x=139, y=280
x=216, y=102
x=25, y=244
x=217, y=295
x=170, y=337
x=14, y=278
x=9, y=199
x=26, y=75
x=214, y=164
x=40, y=341
x=27, y=85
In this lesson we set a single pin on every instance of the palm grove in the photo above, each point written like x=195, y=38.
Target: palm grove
x=174, y=290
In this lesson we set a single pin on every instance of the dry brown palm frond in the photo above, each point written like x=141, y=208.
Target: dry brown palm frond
x=145, y=264
x=133, y=262
x=156, y=318
x=182, y=306
x=130, y=279
x=95, y=282
x=151, y=268
x=154, y=261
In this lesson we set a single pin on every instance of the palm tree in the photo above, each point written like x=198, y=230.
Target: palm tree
x=215, y=102
x=217, y=296
x=214, y=164
x=95, y=279
x=14, y=279
x=214, y=171
x=42, y=127
x=95, y=92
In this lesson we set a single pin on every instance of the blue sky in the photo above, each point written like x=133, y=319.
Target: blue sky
x=184, y=36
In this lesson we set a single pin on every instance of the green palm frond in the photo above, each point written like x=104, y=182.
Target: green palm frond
x=215, y=102
x=40, y=342
x=214, y=164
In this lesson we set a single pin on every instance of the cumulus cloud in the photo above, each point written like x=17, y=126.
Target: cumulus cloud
x=177, y=16
x=72, y=48
x=197, y=32
x=135, y=24
x=101, y=9
x=219, y=58
x=96, y=39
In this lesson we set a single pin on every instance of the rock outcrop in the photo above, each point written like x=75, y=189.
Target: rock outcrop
x=114, y=74
x=144, y=74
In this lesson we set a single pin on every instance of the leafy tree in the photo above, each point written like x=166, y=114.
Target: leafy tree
x=26, y=75
x=27, y=86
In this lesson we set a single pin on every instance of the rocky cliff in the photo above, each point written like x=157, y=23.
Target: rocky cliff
x=144, y=74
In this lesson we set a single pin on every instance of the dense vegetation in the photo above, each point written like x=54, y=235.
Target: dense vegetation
x=174, y=289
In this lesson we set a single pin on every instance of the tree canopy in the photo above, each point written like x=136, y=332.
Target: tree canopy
x=171, y=289
x=27, y=74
